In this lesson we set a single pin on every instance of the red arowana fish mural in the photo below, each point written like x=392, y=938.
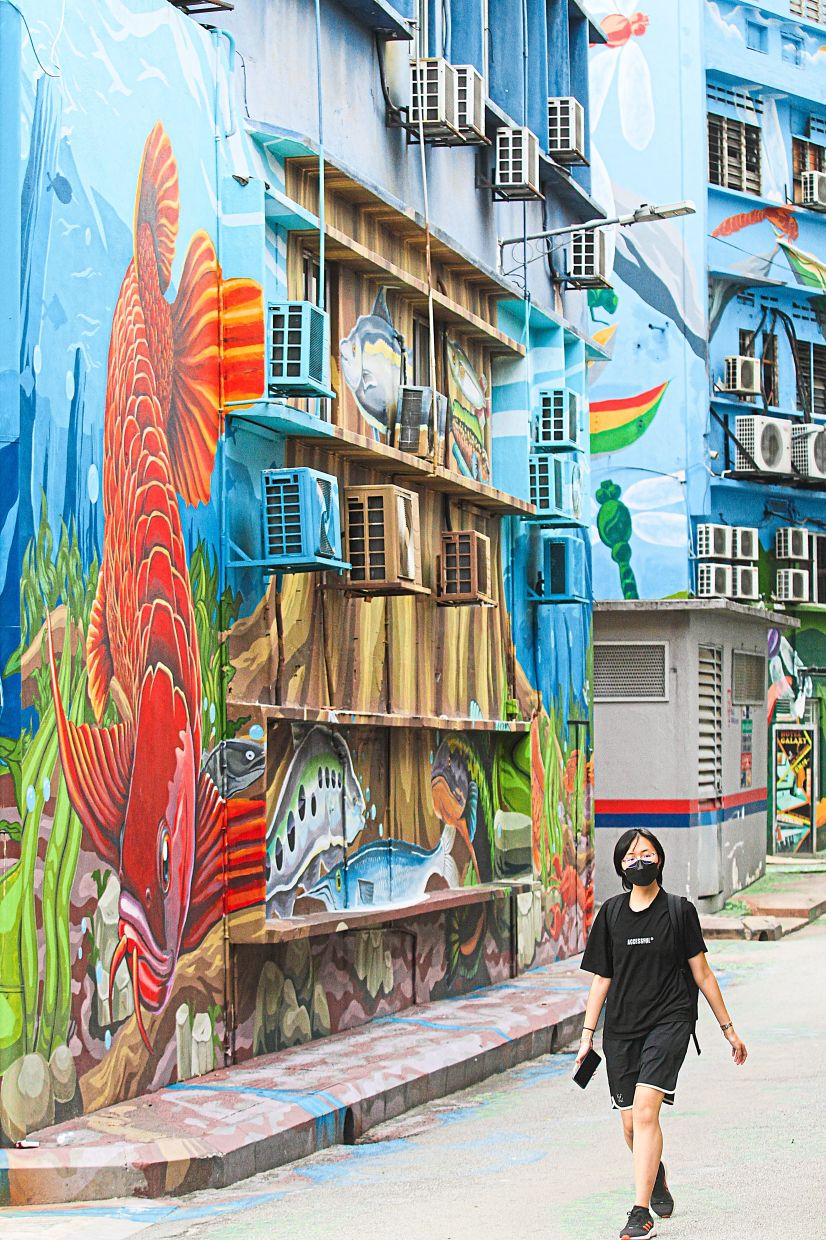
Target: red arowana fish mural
x=781, y=218
x=619, y=29
x=183, y=856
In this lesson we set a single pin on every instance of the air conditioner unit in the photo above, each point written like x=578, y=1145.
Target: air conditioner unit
x=792, y=543
x=470, y=103
x=714, y=580
x=517, y=164
x=588, y=263
x=742, y=376
x=563, y=571
x=745, y=543
x=464, y=568
x=813, y=190
x=767, y=442
x=300, y=520
x=714, y=542
x=556, y=421
x=566, y=131
x=744, y=585
x=791, y=585
x=809, y=450
x=557, y=488
x=381, y=535
x=421, y=415
x=433, y=98
x=299, y=350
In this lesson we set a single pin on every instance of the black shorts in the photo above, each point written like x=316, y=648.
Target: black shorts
x=654, y=1060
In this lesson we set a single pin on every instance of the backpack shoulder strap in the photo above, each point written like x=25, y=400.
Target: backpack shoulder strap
x=677, y=914
x=612, y=911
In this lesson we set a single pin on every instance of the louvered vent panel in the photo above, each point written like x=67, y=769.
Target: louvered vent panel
x=748, y=679
x=282, y=520
x=710, y=740
x=630, y=671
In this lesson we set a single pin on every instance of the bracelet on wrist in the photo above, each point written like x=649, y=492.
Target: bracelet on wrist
x=725, y=1028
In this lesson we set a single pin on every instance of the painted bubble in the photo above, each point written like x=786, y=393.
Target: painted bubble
x=373, y=811
x=31, y=799
x=37, y=359
x=87, y=236
x=84, y=925
x=93, y=483
x=212, y=712
x=256, y=732
x=98, y=973
x=107, y=1039
x=70, y=385
x=47, y=788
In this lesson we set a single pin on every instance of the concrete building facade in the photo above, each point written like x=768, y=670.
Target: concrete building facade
x=707, y=420
x=295, y=620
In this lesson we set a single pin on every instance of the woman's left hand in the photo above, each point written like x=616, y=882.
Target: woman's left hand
x=738, y=1047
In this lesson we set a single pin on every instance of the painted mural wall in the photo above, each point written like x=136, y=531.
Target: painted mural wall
x=162, y=765
x=648, y=398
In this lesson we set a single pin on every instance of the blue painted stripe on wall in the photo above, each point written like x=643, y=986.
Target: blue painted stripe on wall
x=623, y=822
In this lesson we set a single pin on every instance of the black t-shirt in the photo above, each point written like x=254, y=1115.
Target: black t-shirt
x=647, y=986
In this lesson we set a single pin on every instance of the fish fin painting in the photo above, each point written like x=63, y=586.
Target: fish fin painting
x=373, y=364
x=147, y=807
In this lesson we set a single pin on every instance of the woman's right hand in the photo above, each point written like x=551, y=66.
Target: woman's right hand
x=584, y=1047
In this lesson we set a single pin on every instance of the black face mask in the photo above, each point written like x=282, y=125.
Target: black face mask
x=642, y=873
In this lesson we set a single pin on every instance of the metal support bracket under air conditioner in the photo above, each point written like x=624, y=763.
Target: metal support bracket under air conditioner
x=729, y=433
x=399, y=118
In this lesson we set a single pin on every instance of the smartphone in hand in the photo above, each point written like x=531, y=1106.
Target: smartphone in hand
x=587, y=1068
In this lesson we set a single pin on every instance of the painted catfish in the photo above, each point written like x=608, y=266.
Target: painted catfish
x=148, y=809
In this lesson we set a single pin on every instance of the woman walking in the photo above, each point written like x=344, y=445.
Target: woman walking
x=647, y=954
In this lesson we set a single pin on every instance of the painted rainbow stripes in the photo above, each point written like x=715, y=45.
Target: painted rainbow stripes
x=616, y=423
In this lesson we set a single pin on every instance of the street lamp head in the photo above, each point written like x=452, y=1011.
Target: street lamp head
x=646, y=212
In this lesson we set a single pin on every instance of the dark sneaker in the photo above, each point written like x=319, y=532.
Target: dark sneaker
x=662, y=1202
x=640, y=1225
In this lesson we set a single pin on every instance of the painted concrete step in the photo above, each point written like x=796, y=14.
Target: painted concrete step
x=232, y=1124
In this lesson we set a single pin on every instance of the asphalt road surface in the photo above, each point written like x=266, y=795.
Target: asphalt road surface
x=528, y=1156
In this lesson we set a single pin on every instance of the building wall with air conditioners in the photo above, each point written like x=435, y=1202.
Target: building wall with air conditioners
x=731, y=443
x=281, y=634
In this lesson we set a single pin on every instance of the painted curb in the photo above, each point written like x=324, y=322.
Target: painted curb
x=450, y=1057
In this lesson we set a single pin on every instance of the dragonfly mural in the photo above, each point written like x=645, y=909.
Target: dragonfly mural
x=652, y=510
x=621, y=58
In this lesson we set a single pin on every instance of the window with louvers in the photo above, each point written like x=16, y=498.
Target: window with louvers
x=710, y=746
x=814, y=10
x=748, y=677
x=630, y=671
x=806, y=157
x=733, y=154
x=811, y=375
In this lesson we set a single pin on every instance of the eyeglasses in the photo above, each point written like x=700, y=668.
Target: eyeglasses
x=631, y=857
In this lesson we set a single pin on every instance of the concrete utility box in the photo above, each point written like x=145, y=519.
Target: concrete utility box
x=680, y=739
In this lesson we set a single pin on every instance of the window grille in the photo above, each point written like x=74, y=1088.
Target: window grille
x=631, y=671
x=738, y=99
x=812, y=10
x=748, y=676
x=733, y=154
x=710, y=730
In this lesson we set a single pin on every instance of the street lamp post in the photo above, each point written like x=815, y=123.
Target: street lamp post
x=644, y=214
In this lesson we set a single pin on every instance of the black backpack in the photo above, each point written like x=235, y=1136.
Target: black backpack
x=677, y=913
